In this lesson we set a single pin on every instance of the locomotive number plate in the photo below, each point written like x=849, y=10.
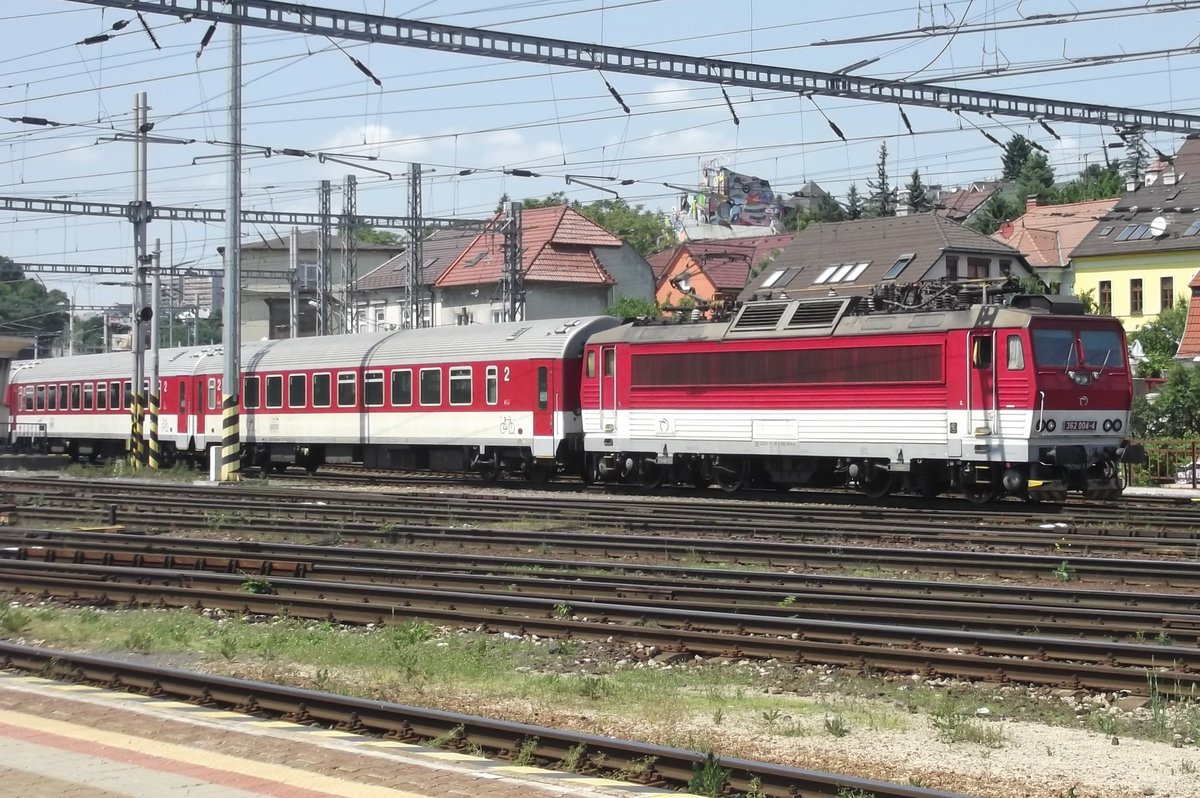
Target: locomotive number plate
x=1079, y=426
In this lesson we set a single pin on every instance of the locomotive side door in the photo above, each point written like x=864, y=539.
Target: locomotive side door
x=608, y=388
x=982, y=418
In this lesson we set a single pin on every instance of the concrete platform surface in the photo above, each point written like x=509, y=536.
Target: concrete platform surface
x=59, y=740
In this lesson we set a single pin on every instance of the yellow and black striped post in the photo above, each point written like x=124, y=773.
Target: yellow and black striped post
x=135, y=430
x=153, y=460
x=231, y=448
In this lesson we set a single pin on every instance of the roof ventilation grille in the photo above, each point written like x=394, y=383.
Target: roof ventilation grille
x=817, y=313
x=760, y=315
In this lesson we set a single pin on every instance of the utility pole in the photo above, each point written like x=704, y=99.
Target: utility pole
x=294, y=283
x=416, y=255
x=324, y=255
x=153, y=458
x=231, y=450
x=139, y=213
x=348, y=233
x=513, y=281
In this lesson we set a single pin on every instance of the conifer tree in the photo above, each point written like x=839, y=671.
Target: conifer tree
x=882, y=200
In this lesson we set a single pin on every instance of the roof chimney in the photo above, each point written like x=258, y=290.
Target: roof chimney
x=1031, y=202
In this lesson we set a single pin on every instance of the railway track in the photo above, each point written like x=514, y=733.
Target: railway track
x=961, y=646
x=670, y=768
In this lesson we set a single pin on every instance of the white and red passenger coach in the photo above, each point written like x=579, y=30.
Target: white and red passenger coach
x=987, y=400
x=489, y=397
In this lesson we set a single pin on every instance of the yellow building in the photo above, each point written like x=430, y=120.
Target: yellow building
x=1140, y=257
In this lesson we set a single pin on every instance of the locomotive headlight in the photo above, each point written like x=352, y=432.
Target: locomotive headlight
x=1108, y=425
x=1051, y=425
x=1117, y=424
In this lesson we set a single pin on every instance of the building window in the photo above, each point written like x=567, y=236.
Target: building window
x=1166, y=292
x=978, y=268
x=497, y=316
x=1135, y=297
x=1105, y=297
x=462, y=318
x=460, y=385
x=951, y=267
x=898, y=266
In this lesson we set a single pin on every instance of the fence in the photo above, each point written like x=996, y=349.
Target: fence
x=1168, y=461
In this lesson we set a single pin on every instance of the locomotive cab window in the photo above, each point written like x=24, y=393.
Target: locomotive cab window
x=610, y=362
x=250, y=397
x=275, y=391
x=460, y=385
x=373, y=389
x=543, y=387
x=981, y=352
x=590, y=367
x=297, y=390
x=431, y=387
x=347, y=388
x=493, y=385
x=1016, y=353
x=401, y=388
x=321, y=390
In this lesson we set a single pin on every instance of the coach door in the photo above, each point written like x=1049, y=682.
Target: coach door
x=983, y=420
x=608, y=388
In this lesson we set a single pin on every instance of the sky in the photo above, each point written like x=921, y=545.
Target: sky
x=453, y=112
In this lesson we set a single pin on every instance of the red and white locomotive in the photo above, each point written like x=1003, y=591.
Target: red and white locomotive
x=988, y=400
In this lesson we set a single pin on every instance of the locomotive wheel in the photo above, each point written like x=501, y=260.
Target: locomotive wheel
x=702, y=473
x=591, y=469
x=539, y=473
x=651, y=474
x=875, y=483
x=980, y=493
x=730, y=473
x=489, y=473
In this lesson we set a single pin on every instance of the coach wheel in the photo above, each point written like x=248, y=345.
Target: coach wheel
x=730, y=473
x=279, y=468
x=650, y=474
x=875, y=483
x=980, y=492
x=539, y=472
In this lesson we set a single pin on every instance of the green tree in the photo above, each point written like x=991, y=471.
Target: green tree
x=825, y=209
x=28, y=310
x=882, y=199
x=1173, y=412
x=1095, y=182
x=369, y=235
x=999, y=209
x=918, y=198
x=645, y=230
x=854, y=203
x=1159, y=340
x=628, y=307
x=1137, y=158
x=1016, y=153
x=1036, y=178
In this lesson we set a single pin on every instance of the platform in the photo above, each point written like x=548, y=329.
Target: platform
x=59, y=740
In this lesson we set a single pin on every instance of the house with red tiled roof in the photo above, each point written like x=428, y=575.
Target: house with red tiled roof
x=696, y=273
x=1189, y=343
x=963, y=204
x=1046, y=235
x=570, y=266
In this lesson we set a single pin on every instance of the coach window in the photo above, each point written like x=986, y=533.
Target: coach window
x=250, y=395
x=1016, y=353
x=460, y=385
x=610, y=362
x=41, y=397
x=297, y=390
x=347, y=389
x=321, y=390
x=114, y=395
x=28, y=397
x=401, y=387
x=88, y=389
x=431, y=386
x=212, y=393
x=51, y=398
x=543, y=387
x=62, y=398
x=127, y=394
x=493, y=385
x=101, y=396
x=591, y=364
x=274, y=391
x=373, y=389
x=182, y=396
x=75, y=394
